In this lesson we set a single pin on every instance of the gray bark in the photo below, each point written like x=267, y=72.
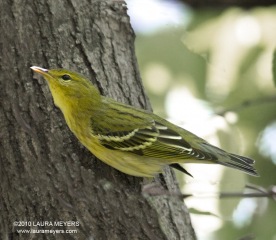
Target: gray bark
x=45, y=173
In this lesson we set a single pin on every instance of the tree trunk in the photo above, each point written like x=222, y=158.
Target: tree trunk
x=47, y=177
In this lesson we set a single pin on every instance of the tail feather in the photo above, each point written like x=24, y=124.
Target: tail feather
x=242, y=163
x=180, y=168
x=232, y=160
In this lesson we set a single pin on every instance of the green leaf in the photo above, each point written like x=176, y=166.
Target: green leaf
x=274, y=67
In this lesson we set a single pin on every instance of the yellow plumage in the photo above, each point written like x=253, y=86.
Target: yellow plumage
x=134, y=141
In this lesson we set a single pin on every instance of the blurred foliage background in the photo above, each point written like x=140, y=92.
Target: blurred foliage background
x=210, y=71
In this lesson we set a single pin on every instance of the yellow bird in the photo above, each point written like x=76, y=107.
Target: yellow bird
x=132, y=140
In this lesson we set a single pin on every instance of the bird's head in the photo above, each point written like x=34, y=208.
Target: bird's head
x=68, y=87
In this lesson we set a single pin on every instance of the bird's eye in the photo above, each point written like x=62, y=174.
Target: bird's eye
x=66, y=77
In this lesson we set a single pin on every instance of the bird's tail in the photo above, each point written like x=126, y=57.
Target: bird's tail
x=239, y=162
x=222, y=157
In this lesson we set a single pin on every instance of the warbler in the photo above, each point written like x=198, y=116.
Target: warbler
x=132, y=140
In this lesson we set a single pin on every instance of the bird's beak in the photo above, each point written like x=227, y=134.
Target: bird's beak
x=40, y=70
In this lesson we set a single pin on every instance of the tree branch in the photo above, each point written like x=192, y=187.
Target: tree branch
x=155, y=189
x=246, y=104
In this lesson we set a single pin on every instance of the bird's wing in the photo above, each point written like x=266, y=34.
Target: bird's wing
x=138, y=133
